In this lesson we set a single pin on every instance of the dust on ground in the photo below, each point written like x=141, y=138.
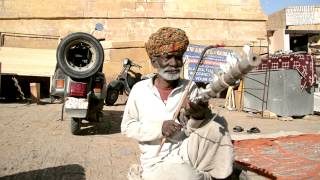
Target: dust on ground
x=36, y=144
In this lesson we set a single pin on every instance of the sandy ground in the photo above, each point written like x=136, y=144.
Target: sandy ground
x=36, y=144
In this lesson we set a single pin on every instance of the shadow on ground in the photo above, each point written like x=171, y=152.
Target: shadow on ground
x=67, y=172
x=110, y=124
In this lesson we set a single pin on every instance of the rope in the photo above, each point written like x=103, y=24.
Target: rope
x=16, y=84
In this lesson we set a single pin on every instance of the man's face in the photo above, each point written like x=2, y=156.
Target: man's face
x=169, y=67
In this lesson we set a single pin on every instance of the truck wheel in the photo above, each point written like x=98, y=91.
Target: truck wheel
x=75, y=126
x=112, y=96
x=80, y=55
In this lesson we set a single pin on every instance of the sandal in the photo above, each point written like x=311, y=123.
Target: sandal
x=237, y=129
x=253, y=130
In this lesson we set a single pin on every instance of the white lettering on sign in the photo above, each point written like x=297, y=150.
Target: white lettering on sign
x=213, y=61
x=302, y=15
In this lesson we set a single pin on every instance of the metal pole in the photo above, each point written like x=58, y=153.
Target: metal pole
x=264, y=90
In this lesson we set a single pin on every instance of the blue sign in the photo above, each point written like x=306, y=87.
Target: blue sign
x=212, y=62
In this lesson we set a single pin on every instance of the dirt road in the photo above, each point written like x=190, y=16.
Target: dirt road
x=35, y=144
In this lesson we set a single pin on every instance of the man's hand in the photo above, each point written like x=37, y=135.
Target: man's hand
x=169, y=127
x=196, y=111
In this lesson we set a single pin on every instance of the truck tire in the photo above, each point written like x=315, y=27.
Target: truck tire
x=75, y=126
x=80, y=55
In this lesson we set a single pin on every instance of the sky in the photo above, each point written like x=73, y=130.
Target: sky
x=271, y=6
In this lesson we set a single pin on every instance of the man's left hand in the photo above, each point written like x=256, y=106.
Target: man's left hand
x=197, y=110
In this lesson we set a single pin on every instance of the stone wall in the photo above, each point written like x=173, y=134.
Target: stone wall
x=277, y=20
x=128, y=23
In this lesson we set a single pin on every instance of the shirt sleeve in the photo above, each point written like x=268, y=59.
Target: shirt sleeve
x=133, y=127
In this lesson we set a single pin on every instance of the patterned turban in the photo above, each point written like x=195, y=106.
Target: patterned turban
x=167, y=41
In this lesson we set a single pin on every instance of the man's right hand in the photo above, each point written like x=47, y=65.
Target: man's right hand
x=169, y=127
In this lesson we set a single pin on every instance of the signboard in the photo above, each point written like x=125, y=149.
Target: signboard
x=214, y=62
x=302, y=15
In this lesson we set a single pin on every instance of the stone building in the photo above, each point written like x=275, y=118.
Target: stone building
x=295, y=29
x=30, y=30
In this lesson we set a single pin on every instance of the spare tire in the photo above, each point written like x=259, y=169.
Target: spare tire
x=80, y=55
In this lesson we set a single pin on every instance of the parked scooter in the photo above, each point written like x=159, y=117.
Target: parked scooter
x=124, y=82
x=79, y=79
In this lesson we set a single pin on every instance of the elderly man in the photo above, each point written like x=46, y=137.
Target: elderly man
x=202, y=149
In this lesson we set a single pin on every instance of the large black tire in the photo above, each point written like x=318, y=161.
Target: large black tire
x=80, y=55
x=75, y=126
x=112, y=96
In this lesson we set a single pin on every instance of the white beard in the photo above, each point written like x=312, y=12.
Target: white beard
x=169, y=76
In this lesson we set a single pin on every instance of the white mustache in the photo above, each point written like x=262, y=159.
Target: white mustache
x=170, y=69
x=167, y=74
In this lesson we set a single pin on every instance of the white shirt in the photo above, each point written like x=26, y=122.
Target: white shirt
x=143, y=117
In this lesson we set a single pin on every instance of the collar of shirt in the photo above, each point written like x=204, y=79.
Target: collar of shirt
x=181, y=86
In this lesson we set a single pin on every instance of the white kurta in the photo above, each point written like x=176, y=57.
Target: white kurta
x=142, y=120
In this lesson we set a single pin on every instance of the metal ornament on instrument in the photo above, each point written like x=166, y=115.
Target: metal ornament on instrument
x=248, y=62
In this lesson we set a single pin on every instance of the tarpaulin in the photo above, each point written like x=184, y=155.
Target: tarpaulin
x=303, y=63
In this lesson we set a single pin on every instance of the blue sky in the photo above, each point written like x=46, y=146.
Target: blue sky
x=271, y=6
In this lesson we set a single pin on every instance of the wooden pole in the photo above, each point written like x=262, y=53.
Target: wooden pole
x=0, y=80
x=241, y=87
x=35, y=92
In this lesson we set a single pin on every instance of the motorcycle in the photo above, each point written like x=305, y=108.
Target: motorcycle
x=79, y=79
x=124, y=82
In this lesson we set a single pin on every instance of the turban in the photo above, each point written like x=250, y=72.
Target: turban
x=167, y=41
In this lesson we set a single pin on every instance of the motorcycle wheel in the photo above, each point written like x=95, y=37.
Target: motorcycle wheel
x=80, y=55
x=75, y=125
x=112, y=96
